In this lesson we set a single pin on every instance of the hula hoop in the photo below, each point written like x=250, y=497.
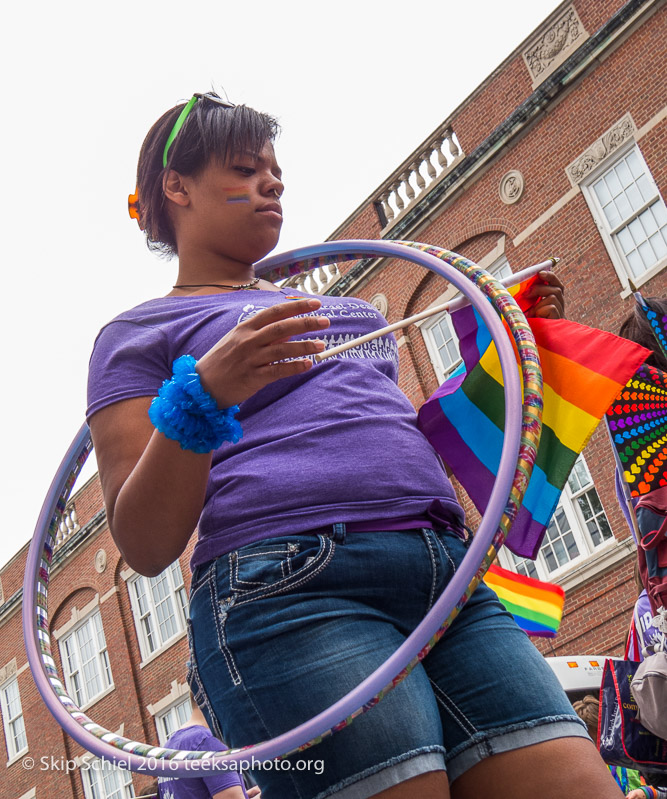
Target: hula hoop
x=522, y=432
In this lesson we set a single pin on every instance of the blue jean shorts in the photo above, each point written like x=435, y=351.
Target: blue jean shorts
x=282, y=628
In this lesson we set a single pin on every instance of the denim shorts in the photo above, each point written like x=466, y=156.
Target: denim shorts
x=282, y=628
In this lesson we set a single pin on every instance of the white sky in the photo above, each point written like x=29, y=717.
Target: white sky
x=356, y=85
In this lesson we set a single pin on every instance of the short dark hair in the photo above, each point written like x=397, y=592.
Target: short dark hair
x=210, y=131
x=637, y=328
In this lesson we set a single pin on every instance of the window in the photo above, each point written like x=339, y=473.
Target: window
x=439, y=335
x=631, y=214
x=101, y=780
x=579, y=525
x=160, y=606
x=171, y=719
x=12, y=717
x=86, y=660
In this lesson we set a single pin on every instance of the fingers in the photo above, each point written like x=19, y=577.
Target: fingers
x=550, y=295
x=290, y=350
x=283, y=321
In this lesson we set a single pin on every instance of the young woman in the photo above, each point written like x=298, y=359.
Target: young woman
x=327, y=530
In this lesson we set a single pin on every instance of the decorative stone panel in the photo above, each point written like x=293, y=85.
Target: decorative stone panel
x=606, y=145
x=380, y=302
x=511, y=187
x=553, y=43
x=8, y=671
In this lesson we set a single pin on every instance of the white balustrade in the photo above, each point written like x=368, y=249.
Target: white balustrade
x=69, y=524
x=417, y=174
x=314, y=281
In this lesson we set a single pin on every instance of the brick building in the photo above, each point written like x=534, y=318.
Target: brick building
x=562, y=150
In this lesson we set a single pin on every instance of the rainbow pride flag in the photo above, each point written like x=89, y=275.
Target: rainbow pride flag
x=583, y=370
x=537, y=607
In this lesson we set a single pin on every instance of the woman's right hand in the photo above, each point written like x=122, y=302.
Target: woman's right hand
x=258, y=351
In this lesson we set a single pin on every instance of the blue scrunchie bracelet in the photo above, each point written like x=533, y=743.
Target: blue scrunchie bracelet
x=185, y=412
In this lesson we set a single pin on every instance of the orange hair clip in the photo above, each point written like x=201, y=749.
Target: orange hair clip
x=133, y=206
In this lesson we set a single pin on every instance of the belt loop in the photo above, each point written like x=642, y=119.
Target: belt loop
x=339, y=532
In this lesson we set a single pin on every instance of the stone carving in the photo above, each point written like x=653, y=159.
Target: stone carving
x=619, y=133
x=8, y=671
x=511, y=187
x=380, y=302
x=100, y=561
x=554, y=44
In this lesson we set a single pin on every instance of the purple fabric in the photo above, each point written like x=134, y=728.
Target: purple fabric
x=197, y=739
x=337, y=444
x=648, y=635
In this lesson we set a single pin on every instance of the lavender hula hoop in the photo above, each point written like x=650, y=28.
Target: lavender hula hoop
x=503, y=504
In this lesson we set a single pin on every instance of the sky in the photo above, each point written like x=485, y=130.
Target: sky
x=356, y=87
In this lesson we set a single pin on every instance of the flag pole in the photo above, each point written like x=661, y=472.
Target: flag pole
x=459, y=302
x=621, y=484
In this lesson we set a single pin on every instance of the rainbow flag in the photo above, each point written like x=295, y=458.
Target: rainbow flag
x=583, y=370
x=537, y=607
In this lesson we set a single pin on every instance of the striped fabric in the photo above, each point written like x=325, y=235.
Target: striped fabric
x=536, y=606
x=583, y=369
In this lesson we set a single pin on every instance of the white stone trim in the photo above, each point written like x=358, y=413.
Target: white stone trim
x=601, y=559
x=97, y=698
x=126, y=574
x=553, y=43
x=22, y=668
x=113, y=590
x=511, y=187
x=8, y=671
x=661, y=116
x=163, y=648
x=616, y=258
x=545, y=217
x=178, y=690
x=77, y=616
x=606, y=146
x=30, y=794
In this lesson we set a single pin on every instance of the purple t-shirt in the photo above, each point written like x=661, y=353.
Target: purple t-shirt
x=338, y=443
x=197, y=739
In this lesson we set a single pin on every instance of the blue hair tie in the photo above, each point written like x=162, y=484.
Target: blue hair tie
x=183, y=411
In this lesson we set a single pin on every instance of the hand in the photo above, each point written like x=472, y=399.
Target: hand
x=254, y=792
x=255, y=352
x=550, y=293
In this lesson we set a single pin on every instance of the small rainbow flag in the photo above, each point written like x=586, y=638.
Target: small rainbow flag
x=583, y=370
x=537, y=607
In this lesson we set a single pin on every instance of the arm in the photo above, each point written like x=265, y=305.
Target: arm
x=153, y=490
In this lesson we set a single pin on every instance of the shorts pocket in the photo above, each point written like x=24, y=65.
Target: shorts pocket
x=277, y=565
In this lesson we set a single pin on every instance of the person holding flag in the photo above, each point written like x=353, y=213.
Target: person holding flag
x=327, y=525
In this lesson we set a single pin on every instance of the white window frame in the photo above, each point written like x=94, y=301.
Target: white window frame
x=609, y=235
x=499, y=268
x=170, y=719
x=78, y=684
x=155, y=629
x=569, y=506
x=101, y=780
x=14, y=724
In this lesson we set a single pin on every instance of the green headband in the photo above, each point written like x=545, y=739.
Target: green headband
x=184, y=115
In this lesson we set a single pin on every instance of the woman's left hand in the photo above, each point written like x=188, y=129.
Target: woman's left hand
x=550, y=293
